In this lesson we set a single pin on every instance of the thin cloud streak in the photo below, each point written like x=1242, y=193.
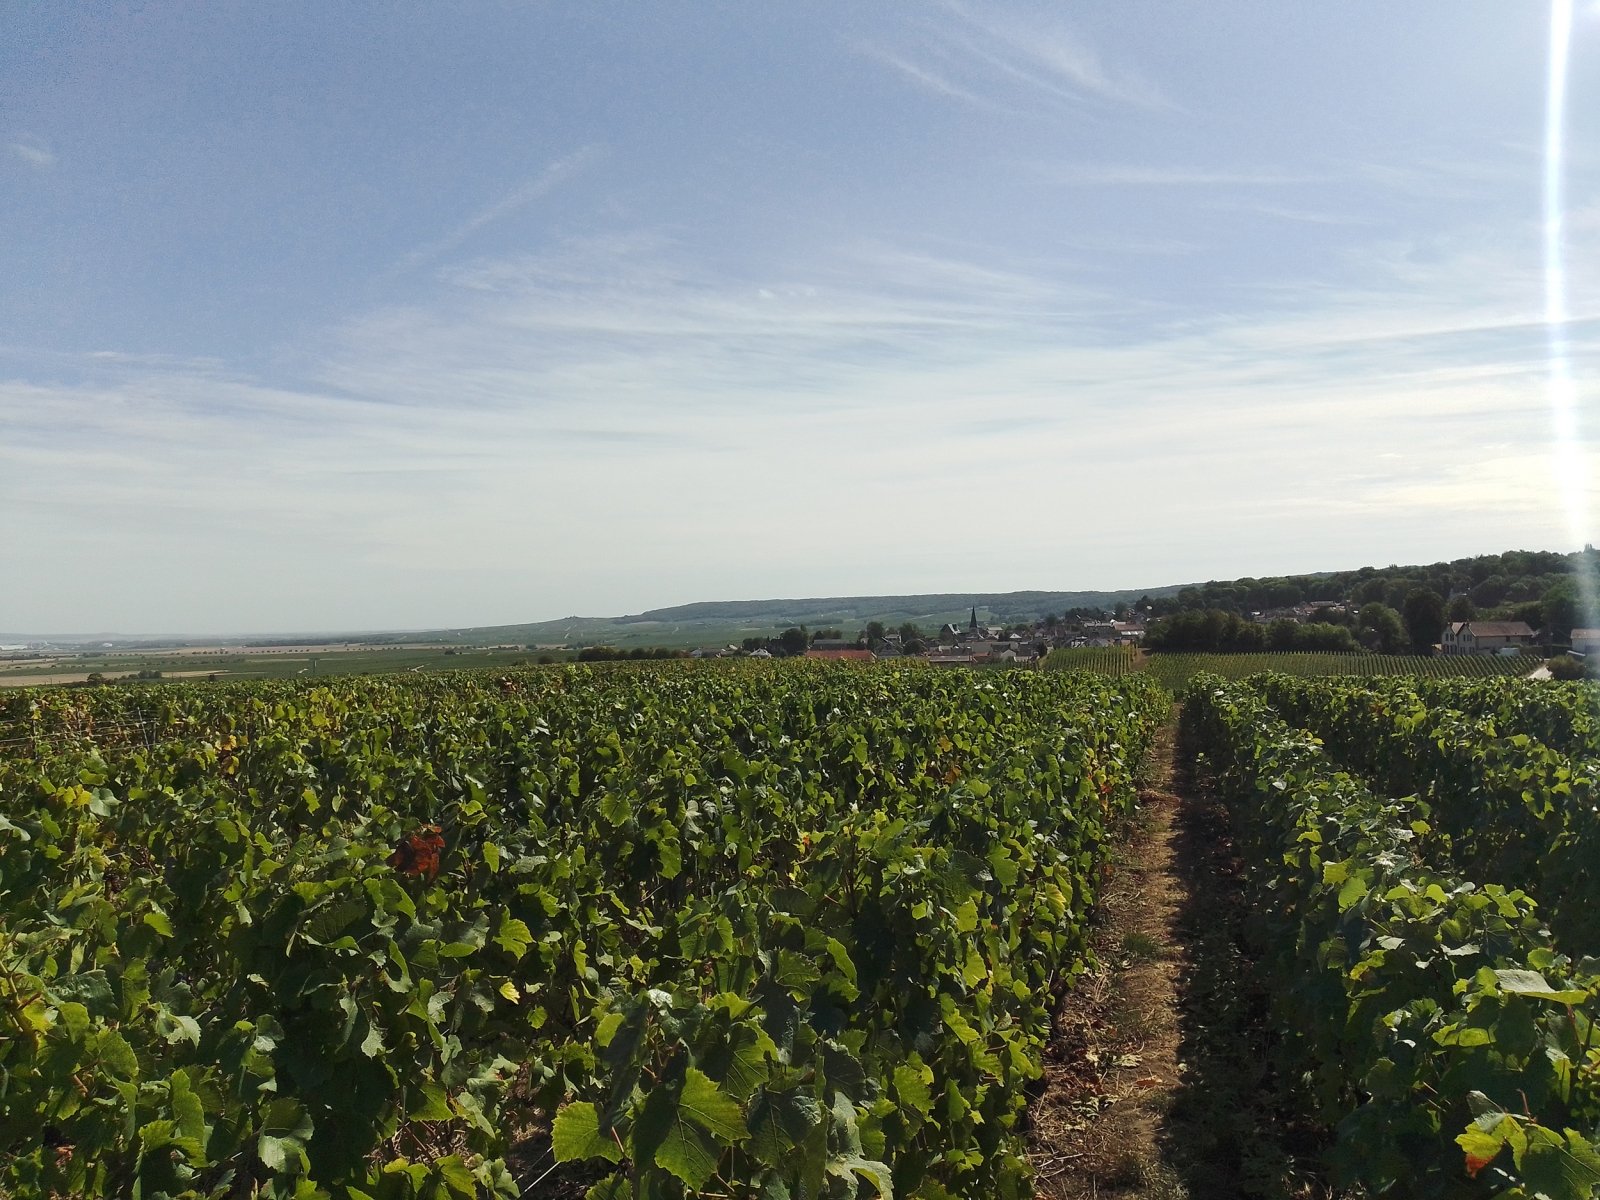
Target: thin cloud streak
x=34, y=151
x=1138, y=175
x=541, y=185
x=1283, y=212
x=931, y=80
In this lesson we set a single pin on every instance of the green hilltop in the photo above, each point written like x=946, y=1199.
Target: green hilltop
x=719, y=622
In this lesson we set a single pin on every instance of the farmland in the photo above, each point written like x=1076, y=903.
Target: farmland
x=770, y=931
x=241, y=662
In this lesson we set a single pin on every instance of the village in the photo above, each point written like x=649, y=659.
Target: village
x=980, y=644
x=974, y=644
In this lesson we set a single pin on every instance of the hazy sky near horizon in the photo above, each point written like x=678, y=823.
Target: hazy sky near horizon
x=320, y=316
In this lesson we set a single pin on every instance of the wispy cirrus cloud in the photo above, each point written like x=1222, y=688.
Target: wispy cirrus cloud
x=1285, y=212
x=1049, y=56
x=1173, y=176
x=1431, y=179
x=930, y=78
x=1007, y=61
x=34, y=151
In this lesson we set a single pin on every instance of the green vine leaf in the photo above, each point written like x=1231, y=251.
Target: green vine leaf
x=286, y=1127
x=1560, y=1167
x=576, y=1134
x=687, y=1133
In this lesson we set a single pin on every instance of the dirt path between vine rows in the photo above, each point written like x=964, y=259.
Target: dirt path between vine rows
x=1157, y=1083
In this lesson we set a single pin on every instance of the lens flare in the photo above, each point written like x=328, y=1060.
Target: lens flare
x=1570, y=466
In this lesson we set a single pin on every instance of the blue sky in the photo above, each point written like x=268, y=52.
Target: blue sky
x=371, y=316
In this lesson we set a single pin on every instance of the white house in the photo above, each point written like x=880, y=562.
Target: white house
x=1485, y=637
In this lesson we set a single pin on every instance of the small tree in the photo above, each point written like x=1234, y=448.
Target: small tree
x=1558, y=609
x=1381, y=628
x=1565, y=667
x=1424, y=618
x=1282, y=634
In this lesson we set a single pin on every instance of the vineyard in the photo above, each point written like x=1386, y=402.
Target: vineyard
x=1174, y=671
x=1429, y=957
x=763, y=931
x=1115, y=661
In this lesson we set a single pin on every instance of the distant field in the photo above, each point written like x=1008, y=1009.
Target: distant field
x=1173, y=671
x=260, y=663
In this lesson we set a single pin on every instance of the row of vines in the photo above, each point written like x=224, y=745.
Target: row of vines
x=1174, y=670
x=1445, y=1034
x=764, y=931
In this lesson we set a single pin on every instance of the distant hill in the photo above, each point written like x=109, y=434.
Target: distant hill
x=719, y=622
x=1000, y=605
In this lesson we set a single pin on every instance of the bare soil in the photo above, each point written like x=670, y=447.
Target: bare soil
x=1158, y=1080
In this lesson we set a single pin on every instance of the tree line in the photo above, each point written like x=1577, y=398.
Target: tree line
x=1513, y=585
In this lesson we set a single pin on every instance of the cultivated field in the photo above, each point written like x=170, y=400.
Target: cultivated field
x=263, y=662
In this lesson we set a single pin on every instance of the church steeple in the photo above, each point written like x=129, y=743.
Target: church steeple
x=973, y=624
